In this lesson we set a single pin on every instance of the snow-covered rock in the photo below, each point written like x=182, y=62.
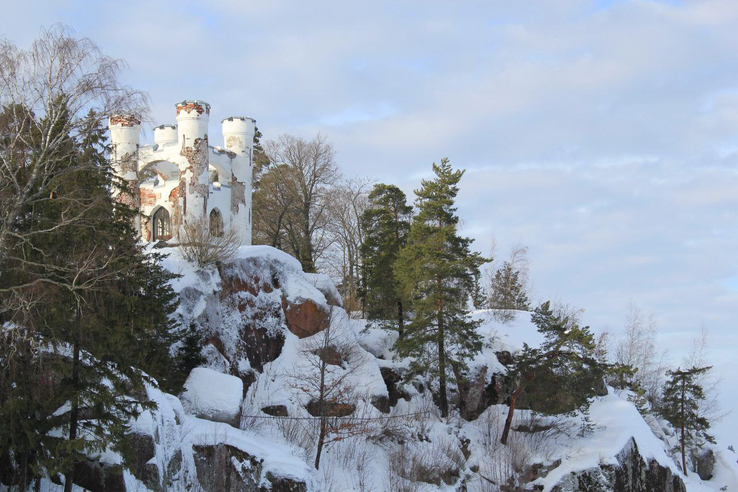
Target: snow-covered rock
x=212, y=395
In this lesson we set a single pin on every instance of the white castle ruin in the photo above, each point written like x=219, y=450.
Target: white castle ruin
x=181, y=179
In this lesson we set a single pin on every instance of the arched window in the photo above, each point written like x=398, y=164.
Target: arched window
x=216, y=223
x=162, y=225
x=214, y=177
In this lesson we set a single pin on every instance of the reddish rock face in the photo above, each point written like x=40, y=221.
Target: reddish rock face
x=305, y=319
x=472, y=395
x=330, y=409
x=252, y=285
x=261, y=336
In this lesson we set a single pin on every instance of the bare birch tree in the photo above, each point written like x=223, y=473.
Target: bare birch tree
x=347, y=204
x=699, y=356
x=47, y=93
x=637, y=349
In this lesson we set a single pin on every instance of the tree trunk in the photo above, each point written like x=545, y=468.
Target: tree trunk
x=441, y=354
x=321, y=440
x=73, y=416
x=23, y=466
x=684, y=455
x=400, y=321
x=321, y=399
x=510, y=412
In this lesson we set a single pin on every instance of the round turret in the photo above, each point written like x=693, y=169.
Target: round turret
x=165, y=134
x=238, y=133
x=125, y=130
x=192, y=121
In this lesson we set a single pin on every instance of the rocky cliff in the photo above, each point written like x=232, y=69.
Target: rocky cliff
x=245, y=419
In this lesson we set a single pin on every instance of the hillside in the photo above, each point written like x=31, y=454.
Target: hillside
x=245, y=419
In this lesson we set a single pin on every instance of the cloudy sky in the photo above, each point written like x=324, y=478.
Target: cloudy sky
x=601, y=133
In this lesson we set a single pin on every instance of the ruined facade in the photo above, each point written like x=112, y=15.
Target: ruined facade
x=183, y=180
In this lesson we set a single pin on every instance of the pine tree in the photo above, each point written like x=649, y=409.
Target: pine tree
x=260, y=160
x=623, y=377
x=680, y=405
x=436, y=271
x=563, y=372
x=386, y=225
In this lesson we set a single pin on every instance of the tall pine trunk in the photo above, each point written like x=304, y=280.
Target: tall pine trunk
x=441, y=353
x=23, y=465
x=74, y=414
x=400, y=314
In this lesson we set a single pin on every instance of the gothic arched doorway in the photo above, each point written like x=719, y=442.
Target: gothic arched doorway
x=162, y=230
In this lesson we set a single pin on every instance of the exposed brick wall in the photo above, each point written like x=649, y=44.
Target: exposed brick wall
x=125, y=120
x=131, y=199
x=189, y=107
x=148, y=198
x=238, y=194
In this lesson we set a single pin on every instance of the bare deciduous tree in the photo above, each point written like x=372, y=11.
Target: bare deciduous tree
x=343, y=257
x=323, y=373
x=699, y=357
x=637, y=349
x=302, y=172
x=274, y=207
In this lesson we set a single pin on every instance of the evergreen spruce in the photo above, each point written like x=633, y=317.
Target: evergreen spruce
x=436, y=271
x=260, y=160
x=480, y=299
x=386, y=225
x=189, y=355
x=100, y=315
x=680, y=406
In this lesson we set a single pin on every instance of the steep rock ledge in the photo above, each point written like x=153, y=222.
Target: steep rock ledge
x=631, y=474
